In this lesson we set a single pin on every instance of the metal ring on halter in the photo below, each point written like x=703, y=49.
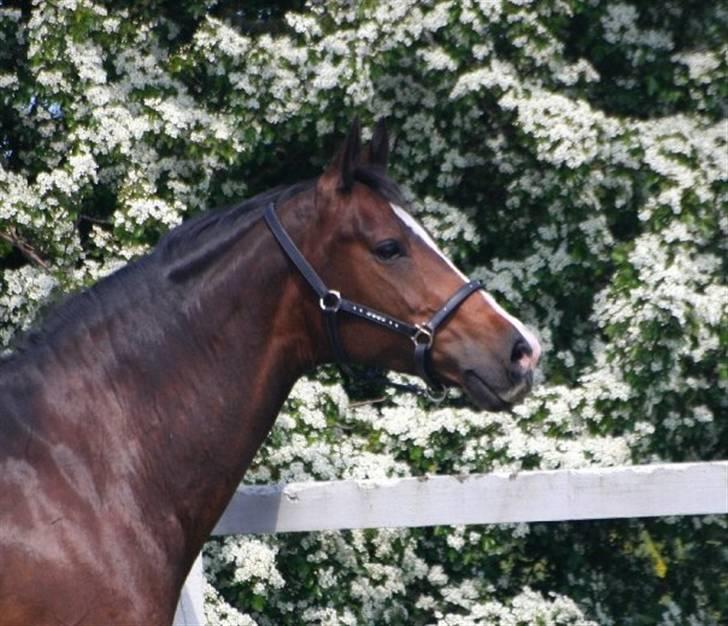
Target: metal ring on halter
x=436, y=395
x=326, y=304
x=423, y=336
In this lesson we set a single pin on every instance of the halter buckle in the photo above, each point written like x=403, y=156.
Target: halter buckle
x=423, y=336
x=330, y=301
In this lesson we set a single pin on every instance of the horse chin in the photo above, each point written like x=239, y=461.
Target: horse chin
x=482, y=394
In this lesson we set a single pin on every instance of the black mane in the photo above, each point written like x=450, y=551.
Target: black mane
x=214, y=231
x=194, y=244
x=180, y=254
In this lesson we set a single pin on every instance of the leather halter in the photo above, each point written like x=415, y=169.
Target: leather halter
x=332, y=302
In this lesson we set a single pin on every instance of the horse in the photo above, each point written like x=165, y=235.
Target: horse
x=129, y=417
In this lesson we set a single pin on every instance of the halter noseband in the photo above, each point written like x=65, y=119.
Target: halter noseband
x=332, y=302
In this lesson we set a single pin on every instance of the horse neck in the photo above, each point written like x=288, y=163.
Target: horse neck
x=184, y=407
x=251, y=342
x=248, y=341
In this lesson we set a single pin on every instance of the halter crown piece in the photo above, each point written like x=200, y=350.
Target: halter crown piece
x=332, y=303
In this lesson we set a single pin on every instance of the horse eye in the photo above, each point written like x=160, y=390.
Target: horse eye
x=388, y=250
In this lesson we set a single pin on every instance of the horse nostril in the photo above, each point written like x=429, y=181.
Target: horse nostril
x=521, y=350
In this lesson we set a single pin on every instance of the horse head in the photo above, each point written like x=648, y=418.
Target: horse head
x=369, y=249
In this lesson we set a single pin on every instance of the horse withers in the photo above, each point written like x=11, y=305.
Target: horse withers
x=128, y=419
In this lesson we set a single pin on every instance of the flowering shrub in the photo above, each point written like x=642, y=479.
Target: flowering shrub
x=572, y=153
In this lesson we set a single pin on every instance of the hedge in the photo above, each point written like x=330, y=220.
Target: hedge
x=571, y=153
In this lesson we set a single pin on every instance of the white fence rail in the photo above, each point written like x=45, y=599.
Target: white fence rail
x=534, y=496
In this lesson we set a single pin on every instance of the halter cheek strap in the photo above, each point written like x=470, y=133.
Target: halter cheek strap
x=332, y=303
x=426, y=337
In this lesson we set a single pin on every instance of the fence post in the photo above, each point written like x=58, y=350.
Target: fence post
x=190, y=610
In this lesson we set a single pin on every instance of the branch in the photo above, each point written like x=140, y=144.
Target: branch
x=12, y=237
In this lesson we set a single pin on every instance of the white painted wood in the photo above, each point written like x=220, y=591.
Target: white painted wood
x=190, y=609
x=589, y=493
x=535, y=496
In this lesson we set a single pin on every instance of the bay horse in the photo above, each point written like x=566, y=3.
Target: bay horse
x=128, y=419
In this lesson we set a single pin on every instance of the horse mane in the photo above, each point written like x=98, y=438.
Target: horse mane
x=182, y=253
x=195, y=244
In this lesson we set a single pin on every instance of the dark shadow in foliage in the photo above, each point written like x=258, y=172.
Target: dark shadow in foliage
x=694, y=25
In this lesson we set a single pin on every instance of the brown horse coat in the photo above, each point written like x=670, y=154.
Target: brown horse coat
x=128, y=420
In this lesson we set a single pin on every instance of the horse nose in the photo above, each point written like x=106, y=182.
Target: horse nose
x=522, y=360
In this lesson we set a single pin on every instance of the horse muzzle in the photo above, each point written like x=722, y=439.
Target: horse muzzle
x=490, y=397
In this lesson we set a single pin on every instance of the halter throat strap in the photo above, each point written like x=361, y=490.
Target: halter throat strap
x=332, y=303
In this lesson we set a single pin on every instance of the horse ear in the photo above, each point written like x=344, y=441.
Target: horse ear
x=341, y=170
x=378, y=153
